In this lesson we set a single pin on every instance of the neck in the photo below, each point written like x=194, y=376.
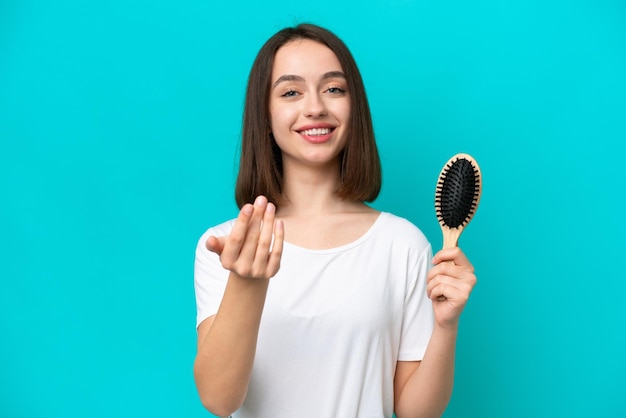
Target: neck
x=311, y=190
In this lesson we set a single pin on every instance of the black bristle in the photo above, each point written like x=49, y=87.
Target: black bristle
x=456, y=193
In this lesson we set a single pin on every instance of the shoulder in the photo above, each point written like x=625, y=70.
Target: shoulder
x=402, y=229
x=221, y=229
x=401, y=226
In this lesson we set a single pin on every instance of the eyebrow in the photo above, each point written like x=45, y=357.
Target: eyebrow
x=291, y=77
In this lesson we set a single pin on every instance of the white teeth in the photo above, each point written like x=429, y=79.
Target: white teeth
x=316, y=131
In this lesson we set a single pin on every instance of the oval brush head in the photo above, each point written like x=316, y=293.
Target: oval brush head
x=457, y=196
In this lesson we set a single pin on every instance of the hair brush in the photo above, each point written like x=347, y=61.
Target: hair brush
x=456, y=196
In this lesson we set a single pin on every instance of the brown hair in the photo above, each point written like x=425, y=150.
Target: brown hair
x=260, y=167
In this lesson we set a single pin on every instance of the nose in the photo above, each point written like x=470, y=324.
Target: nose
x=314, y=106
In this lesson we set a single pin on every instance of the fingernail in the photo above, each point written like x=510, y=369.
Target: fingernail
x=270, y=208
x=247, y=209
x=260, y=201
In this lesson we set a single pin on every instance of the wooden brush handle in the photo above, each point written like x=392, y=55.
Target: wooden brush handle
x=450, y=240
x=451, y=236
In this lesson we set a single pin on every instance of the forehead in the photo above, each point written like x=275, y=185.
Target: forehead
x=304, y=57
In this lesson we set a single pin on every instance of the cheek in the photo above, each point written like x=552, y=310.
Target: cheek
x=342, y=110
x=282, y=117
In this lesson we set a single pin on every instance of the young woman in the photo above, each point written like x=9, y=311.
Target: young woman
x=311, y=303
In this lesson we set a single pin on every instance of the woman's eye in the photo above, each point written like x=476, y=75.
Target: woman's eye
x=336, y=90
x=290, y=93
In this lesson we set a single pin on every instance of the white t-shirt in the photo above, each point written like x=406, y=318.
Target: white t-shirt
x=335, y=322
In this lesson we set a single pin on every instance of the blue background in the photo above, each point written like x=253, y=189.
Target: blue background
x=119, y=124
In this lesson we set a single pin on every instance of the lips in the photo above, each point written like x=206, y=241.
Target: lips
x=317, y=134
x=316, y=131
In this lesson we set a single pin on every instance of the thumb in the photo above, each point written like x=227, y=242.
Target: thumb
x=216, y=244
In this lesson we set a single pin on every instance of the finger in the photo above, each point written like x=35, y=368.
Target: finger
x=265, y=240
x=273, y=263
x=216, y=244
x=448, y=268
x=437, y=293
x=232, y=246
x=442, y=279
x=267, y=229
x=456, y=291
x=434, y=283
x=248, y=249
x=454, y=255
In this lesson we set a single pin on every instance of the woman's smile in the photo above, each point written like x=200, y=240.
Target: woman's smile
x=316, y=134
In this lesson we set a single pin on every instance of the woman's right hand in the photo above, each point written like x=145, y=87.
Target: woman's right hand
x=248, y=251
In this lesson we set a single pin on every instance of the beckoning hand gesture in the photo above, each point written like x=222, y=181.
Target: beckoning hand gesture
x=249, y=251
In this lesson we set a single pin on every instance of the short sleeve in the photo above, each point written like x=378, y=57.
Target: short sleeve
x=418, y=319
x=209, y=276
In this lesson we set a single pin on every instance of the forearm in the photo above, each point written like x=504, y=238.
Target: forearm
x=428, y=390
x=226, y=354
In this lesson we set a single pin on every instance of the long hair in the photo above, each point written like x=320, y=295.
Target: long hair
x=260, y=168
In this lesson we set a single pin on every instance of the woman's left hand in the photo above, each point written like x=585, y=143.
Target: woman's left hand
x=450, y=283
